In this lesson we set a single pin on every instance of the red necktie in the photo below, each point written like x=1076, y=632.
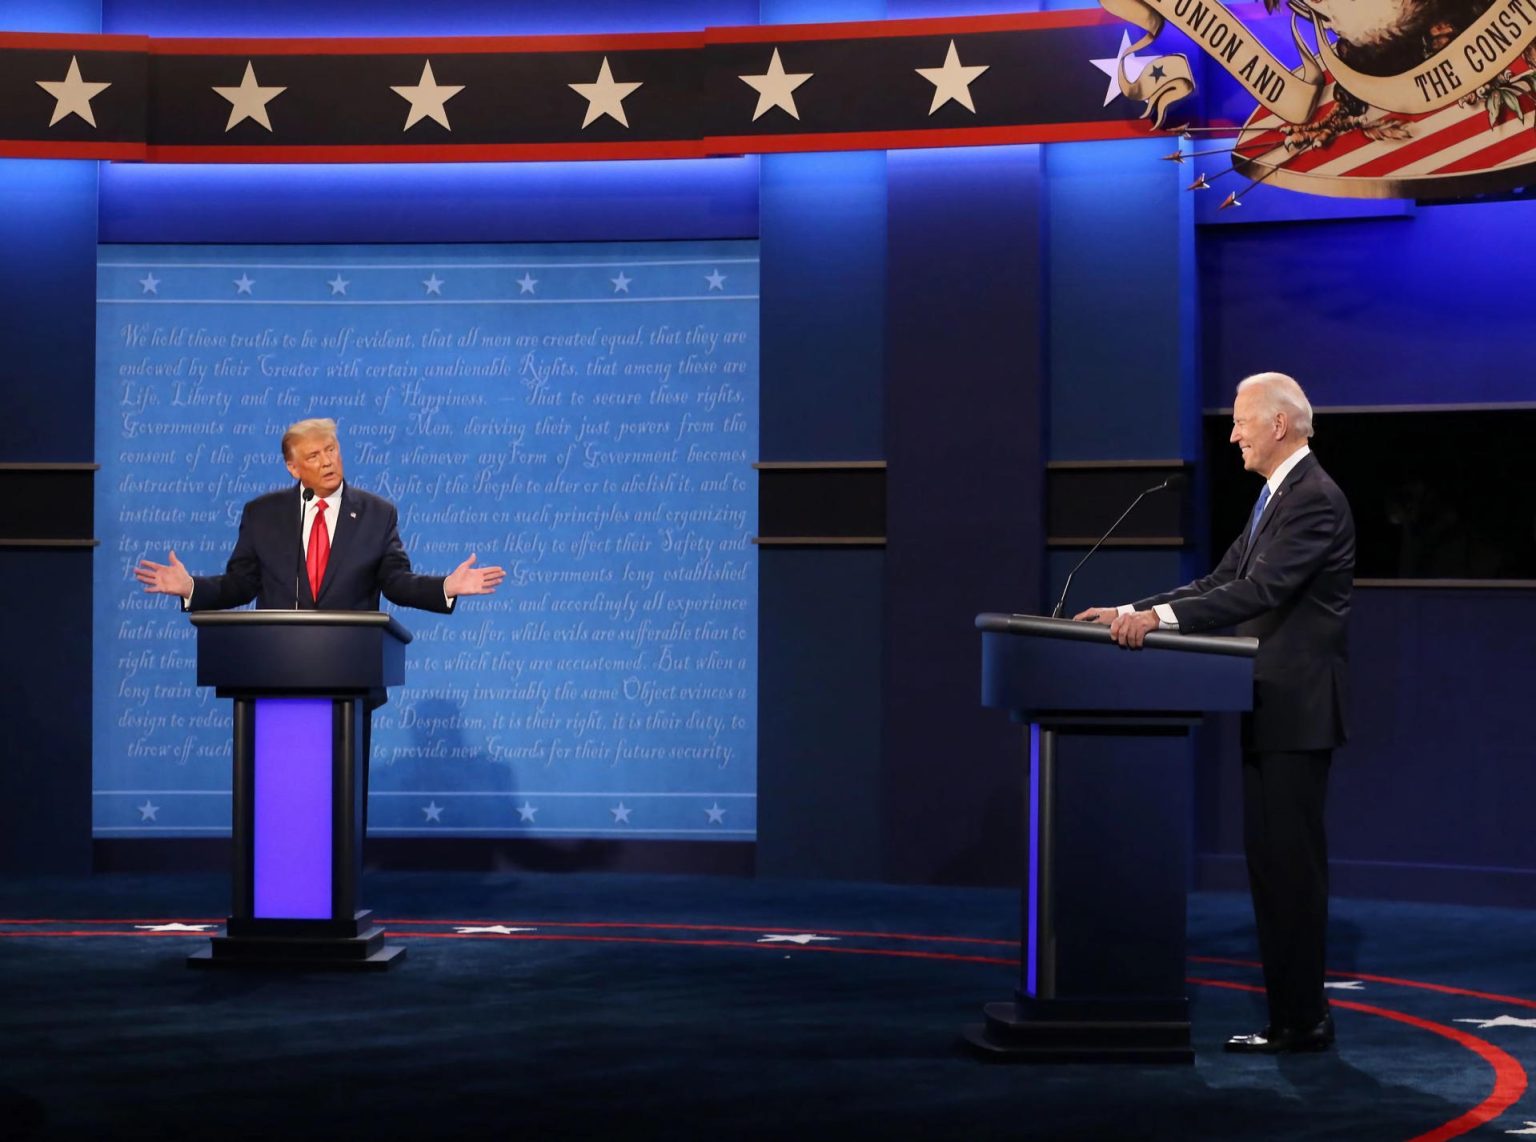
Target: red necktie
x=319, y=549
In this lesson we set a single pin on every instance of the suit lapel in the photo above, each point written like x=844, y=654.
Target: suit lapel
x=347, y=521
x=1276, y=505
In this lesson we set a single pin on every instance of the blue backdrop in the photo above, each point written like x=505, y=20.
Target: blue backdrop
x=584, y=415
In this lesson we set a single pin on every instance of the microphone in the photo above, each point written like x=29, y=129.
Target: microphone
x=1172, y=483
x=309, y=494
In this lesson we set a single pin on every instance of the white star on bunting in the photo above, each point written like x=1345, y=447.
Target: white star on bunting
x=433, y=811
x=176, y=927
x=1134, y=66
x=493, y=930
x=526, y=812
x=338, y=285
x=621, y=283
x=434, y=284
x=621, y=813
x=604, y=97
x=526, y=283
x=775, y=88
x=150, y=283
x=715, y=279
x=148, y=810
x=952, y=81
x=716, y=814
x=244, y=283
x=72, y=95
x=427, y=98
x=249, y=100
x=801, y=938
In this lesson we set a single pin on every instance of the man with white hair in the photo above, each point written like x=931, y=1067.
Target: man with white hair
x=1286, y=580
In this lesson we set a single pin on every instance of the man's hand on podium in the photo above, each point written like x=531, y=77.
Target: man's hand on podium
x=1131, y=629
x=467, y=579
x=1101, y=615
x=164, y=578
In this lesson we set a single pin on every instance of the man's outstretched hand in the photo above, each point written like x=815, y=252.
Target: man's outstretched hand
x=467, y=579
x=164, y=578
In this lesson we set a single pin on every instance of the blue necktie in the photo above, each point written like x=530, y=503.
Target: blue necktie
x=1258, y=512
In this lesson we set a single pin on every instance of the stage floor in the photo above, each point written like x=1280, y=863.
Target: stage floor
x=602, y=1006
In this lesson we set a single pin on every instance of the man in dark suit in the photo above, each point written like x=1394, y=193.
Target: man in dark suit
x=319, y=545
x=1286, y=581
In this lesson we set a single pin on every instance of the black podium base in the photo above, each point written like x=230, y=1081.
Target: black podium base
x=1013, y=1033
x=308, y=945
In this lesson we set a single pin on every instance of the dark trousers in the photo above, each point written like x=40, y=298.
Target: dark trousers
x=1284, y=795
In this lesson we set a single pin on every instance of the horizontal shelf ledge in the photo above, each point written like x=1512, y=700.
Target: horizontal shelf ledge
x=50, y=543
x=49, y=466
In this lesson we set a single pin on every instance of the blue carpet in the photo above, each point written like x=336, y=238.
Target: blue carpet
x=671, y=1007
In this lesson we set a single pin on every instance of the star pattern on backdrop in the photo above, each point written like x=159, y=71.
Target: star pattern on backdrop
x=72, y=95
x=776, y=88
x=527, y=812
x=526, y=283
x=621, y=813
x=175, y=926
x=801, y=938
x=244, y=283
x=952, y=81
x=148, y=810
x=428, y=99
x=716, y=814
x=715, y=279
x=1134, y=66
x=338, y=285
x=1500, y=1021
x=433, y=811
x=604, y=97
x=621, y=283
x=249, y=100
x=434, y=284
x=491, y=930
x=150, y=283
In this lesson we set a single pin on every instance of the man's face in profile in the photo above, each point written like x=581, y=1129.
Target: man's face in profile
x=315, y=461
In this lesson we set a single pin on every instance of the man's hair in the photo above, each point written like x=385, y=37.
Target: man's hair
x=1281, y=393
x=301, y=428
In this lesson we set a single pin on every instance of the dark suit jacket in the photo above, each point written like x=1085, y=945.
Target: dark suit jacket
x=1291, y=591
x=366, y=560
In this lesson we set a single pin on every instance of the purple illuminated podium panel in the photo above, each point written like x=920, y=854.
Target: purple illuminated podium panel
x=1109, y=816
x=304, y=685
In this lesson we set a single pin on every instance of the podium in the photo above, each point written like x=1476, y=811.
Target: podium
x=304, y=685
x=1102, y=958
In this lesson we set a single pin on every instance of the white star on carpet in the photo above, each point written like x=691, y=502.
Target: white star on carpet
x=1346, y=985
x=715, y=279
x=244, y=283
x=434, y=284
x=1530, y=1128
x=492, y=929
x=801, y=938
x=1111, y=67
x=150, y=283
x=526, y=283
x=775, y=88
x=148, y=810
x=716, y=814
x=72, y=95
x=427, y=98
x=621, y=813
x=338, y=285
x=176, y=927
x=249, y=100
x=526, y=812
x=605, y=97
x=952, y=81
x=621, y=283
x=1501, y=1021
x=433, y=811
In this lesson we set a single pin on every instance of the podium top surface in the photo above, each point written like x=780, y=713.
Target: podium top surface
x=1037, y=626
x=260, y=618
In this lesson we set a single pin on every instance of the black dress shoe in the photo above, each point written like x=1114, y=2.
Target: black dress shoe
x=1284, y=1040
